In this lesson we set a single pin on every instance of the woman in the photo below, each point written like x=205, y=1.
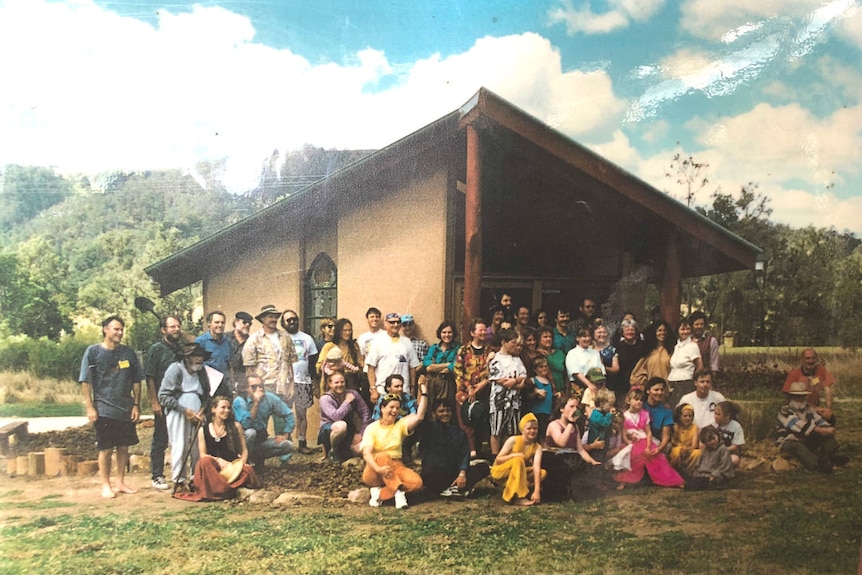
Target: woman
x=659, y=341
x=327, y=331
x=439, y=364
x=342, y=338
x=557, y=362
x=608, y=353
x=507, y=374
x=520, y=463
x=541, y=319
x=496, y=316
x=660, y=415
x=684, y=363
x=221, y=443
x=529, y=351
x=630, y=349
x=382, y=447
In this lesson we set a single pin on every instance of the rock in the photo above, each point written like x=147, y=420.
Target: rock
x=353, y=462
x=361, y=496
x=781, y=464
x=244, y=494
x=262, y=496
x=139, y=462
x=290, y=498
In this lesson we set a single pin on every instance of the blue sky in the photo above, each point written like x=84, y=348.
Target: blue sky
x=768, y=92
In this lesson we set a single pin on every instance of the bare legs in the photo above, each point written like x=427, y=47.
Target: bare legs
x=108, y=491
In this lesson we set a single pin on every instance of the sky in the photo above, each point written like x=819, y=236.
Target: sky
x=767, y=92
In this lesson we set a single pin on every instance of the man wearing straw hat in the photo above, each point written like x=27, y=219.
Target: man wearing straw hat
x=803, y=434
x=270, y=354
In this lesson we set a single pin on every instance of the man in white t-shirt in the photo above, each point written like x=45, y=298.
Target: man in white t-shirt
x=372, y=316
x=703, y=399
x=303, y=373
x=391, y=354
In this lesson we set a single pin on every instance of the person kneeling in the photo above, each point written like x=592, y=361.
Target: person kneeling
x=382, y=447
x=344, y=415
x=520, y=463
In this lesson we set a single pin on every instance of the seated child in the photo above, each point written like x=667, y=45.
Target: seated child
x=520, y=463
x=684, y=451
x=601, y=418
x=731, y=432
x=715, y=467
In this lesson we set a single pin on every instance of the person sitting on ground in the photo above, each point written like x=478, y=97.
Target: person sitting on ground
x=820, y=382
x=703, y=399
x=643, y=455
x=344, y=416
x=221, y=443
x=382, y=445
x=660, y=415
x=684, y=452
x=599, y=382
x=732, y=435
x=445, y=451
x=252, y=409
x=714, y=466
x=568, y=462
x=804, y=434
x=520, y=464
x=601, y=418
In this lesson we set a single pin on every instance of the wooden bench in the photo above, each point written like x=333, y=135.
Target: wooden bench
x=16, y=428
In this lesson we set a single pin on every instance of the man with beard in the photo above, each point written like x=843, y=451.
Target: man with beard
x=706, y=343
x=237, y=338
x=184, y=396
x=303, y=374
x=161, y=355
x=819, y=381
x=111, y=384
x=344, y=416
x=269, y=353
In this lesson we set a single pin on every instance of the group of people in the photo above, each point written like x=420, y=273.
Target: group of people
x=523, y=402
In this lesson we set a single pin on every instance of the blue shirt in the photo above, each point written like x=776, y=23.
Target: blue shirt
x=562, y=342
x=220, y=350
x=660, y=416
x=270, y=405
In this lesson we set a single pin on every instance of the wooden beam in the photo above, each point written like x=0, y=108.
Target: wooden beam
x=473, y=231
x=671, y=285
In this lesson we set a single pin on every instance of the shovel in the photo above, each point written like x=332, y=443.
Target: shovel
x=146, y=305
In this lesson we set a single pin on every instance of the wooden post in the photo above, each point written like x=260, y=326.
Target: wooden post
x=54, y=460
x=671, y=288
x=473, y=232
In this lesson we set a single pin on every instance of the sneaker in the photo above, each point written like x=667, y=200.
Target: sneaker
x=400, y=500
x=375, y=497
x=454, y=491
x=446, y=492
x=160, y=483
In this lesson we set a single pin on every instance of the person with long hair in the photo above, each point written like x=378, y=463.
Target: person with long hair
x=556, y=362
x=659, y=340
x=221, y=443
x=440, y=364
x=342, y=338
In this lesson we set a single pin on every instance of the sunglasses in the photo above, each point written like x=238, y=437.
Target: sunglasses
x=292, y=320
x=393, y=322
x=328, y=326
x=255, y=386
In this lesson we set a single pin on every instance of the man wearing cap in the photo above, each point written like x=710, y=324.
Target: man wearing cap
x=804, y=434
x=159, y=357
x=111, y=385
x=819, y=381
x=252, y=409
x=303, y=373
x=408, y=330
x=237, y=338
x=269, y=353
x=389, y=355
x=184, y=395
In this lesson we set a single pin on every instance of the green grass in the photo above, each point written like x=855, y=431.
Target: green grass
x=41, y=409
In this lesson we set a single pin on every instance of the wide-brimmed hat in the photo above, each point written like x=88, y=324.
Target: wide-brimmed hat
x=267, y=310
x=232, y=470
x=798, y=388
x=194, y=348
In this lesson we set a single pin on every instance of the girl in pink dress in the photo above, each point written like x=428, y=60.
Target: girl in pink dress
x=644, y=455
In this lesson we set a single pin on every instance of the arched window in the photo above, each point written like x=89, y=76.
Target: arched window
x=321, y=293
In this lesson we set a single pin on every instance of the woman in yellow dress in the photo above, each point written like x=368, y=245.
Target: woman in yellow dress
x=520, y=464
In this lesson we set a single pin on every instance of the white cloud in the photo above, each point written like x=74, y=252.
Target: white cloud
x=713, y=20
x=851, y=27
x=582, y=19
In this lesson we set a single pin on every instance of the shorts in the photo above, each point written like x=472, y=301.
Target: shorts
x=111, y=433
x=303, y=396
x=504, y=423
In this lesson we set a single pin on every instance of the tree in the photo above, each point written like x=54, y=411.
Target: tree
x=27, y=191
x=689, y=174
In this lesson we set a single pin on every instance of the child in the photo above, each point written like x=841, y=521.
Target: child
x=600, y=422
x=684, y=451
x=731, y=432
x=715, y=466
x=519, y=462
x=541, y=395
x=599, y=380
x=644, y=455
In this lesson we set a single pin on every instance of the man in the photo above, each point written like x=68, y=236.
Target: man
x=184, y=396
x=581, y=359
x=445, y=450
x=587, y=310
x=522, y=320
x=395, y=385
x=237, y=338
x=703, y=399
x=270, y=354
x=389, y=355
x=819, y=381
x=214, y=341
x=706, y=343
x=506, y=306
x=408, y=330
x=563, y=339
x=161, y=355
x=372, y=316
x=110, y=381
x=473, y=385
x=344, y=416
x=303, y=372
x=803, y=434
x=252, y=409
